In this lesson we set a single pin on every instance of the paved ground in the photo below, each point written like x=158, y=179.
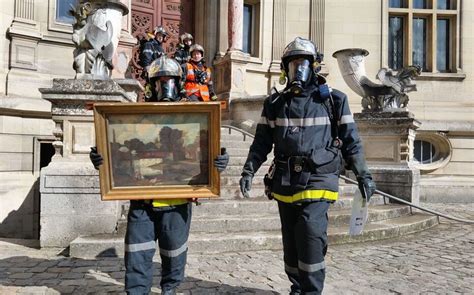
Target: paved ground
x=437, y=261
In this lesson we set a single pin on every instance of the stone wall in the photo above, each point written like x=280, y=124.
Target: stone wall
x=35, y=49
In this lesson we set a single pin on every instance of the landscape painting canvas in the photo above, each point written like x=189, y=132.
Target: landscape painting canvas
x=170, y=149
x=159, y=150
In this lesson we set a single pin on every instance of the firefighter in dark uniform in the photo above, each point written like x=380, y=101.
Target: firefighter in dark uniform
x=312, y=130
x=153, y=49
x=150, y=51
x=182, y=52
x=165, y=220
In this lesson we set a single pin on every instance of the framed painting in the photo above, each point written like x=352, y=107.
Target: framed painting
x=158, y=150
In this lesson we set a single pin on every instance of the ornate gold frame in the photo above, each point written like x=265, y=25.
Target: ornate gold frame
x=104, y=111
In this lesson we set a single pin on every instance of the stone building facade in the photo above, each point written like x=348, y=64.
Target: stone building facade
x=244, y=40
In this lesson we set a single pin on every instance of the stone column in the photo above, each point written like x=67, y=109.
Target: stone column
x=278, y=42
x=316, y=28
x=222, y=28
x=25, y=34
x=25, y=9
x=235, y=25
x=279, y=31
x=126, y=43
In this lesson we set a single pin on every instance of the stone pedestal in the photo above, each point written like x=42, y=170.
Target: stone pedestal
x=229, y=77
x=69, y=185
x=388, y=144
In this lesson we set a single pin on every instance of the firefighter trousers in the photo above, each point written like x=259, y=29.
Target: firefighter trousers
x=304, y=233
x=147, y=225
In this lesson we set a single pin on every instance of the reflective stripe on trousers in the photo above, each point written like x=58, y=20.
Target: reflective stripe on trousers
x=304, y=233
x=147, y=225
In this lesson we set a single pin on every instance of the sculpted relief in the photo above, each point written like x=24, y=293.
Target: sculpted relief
x=96, y=33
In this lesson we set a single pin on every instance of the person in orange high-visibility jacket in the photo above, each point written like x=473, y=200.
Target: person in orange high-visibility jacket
x=198, y=84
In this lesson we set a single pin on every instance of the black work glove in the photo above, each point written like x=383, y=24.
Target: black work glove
x=366, y=187
x=246, y=179
x=364, y=178
x=96, y=158
x=246, y=185
x=222, y=160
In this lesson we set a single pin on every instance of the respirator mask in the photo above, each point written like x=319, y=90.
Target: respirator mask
x=299, y=73
x=167, y=89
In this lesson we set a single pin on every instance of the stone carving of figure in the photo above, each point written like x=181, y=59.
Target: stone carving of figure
x=95, y=35
x=390, y=95
x=400, y=83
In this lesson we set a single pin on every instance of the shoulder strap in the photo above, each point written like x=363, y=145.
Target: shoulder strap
x=325, y=94
x=276, y=100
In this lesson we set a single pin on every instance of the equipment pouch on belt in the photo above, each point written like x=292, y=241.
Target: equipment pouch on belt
x=326, y=160
x=295, y=172
x=268, y=181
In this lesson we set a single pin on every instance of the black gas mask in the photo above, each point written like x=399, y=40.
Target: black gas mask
x=299, y=73
x=167, y=89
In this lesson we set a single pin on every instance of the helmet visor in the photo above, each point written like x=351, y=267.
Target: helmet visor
x=166, y=89
x=299, y=69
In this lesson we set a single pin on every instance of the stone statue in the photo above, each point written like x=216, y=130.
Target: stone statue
x=96, y=33
x=388, y=96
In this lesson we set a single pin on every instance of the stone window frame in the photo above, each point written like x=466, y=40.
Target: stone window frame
x=53, y=24
x=443, y=151
x=255, y=29
x=456, y=73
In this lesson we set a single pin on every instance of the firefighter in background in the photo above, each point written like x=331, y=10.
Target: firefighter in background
x=197, y=82
x=150, y=51
x=153, y=48
x=310, y=128
x=182, y=52
x=165, y=220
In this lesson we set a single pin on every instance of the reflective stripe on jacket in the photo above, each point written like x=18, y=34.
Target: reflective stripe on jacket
x=192, y=87
x=300, y=127
x=151, y=50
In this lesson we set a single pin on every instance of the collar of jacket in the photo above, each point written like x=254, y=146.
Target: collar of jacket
x=198, y=64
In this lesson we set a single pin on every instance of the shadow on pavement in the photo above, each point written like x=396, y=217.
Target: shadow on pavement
x=67, y=275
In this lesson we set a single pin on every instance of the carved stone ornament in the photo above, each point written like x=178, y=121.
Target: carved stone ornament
x=96, y=33
x=388, y=96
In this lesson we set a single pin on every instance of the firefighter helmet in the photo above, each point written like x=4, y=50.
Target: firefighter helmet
x=160, y=30
x=165, y=67
x=196, y=47
x=299, y=47
x=185, y=36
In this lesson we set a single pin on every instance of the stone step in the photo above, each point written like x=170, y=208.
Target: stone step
x=240, y=161
x=257, y=205
x=112, y=244
x=235, y=170
x=385, y=229
x=262, y=214
x=236, y=137
x=235, y=151
x=233, y=192
x=236, y=144
x=268, y=222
